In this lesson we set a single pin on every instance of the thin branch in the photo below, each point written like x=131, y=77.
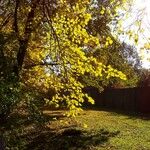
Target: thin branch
x=4, y=23
x=16, y=17
x=41, y=64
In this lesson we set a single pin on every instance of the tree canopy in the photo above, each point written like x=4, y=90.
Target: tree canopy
x=47, y=46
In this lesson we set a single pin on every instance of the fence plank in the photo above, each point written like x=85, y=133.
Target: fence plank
x=129, y=99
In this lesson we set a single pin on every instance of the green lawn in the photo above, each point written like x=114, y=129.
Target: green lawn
x=92, y=130
x=134, y=132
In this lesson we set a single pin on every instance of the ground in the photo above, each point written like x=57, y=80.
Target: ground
x=92, y=130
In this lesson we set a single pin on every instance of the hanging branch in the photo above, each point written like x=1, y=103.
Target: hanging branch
x=49, y=20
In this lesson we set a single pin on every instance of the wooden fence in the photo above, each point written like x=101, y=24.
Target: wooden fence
x=129, y=99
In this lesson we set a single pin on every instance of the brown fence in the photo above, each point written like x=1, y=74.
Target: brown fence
x=130, y=99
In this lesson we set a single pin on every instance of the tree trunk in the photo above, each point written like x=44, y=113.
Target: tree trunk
x=23, y=41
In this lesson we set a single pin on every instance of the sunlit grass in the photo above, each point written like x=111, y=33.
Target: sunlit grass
x=134, y=132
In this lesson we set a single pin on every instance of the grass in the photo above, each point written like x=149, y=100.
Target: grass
x=92, y=130
x=134, y=131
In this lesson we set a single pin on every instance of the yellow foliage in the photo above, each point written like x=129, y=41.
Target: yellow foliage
x=69, y=25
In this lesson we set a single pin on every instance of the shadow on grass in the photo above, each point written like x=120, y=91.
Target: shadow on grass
x=70, y=139
x=17, y=120
x=45, y=138
x=65, y=138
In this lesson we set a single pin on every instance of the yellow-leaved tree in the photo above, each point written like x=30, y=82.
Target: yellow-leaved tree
x=51, y=52
x=63, y=58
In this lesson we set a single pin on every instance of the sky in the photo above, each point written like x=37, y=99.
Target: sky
x=144, y=5
x=139, y=10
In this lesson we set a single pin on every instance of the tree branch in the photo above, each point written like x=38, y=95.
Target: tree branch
x=16, y=18
x=41, y=64
x=4, y=23
x=26, y=36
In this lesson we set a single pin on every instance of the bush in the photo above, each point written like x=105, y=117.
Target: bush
x=9, y=97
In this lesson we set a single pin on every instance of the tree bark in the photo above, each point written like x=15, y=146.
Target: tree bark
x=23, y=41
